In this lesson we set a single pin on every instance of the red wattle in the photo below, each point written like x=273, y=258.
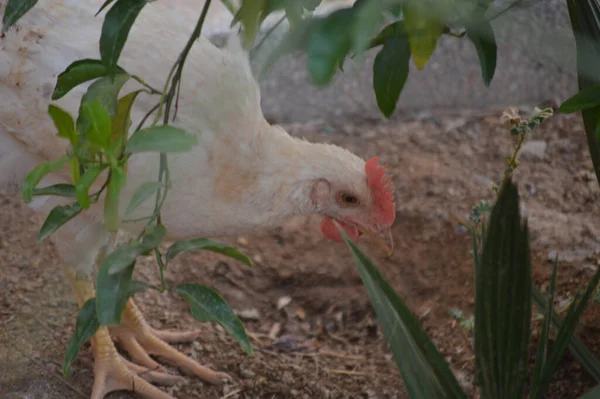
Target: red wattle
x=330, y=230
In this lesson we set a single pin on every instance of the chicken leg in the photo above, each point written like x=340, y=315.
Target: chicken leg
x=112, y=372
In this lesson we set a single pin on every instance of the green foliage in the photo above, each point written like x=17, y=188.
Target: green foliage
x=424, y=370
x=208, y=245
x=115, y=30
x=33, y=178
x=57, y=217
x=207, y=305
x=480, y=32
x=588, y=97
x=161, y=139
x=142, y=194
x=15, y=9
x=503, y=301
x=390, y=69
x=79, y=72
x=63, y=121
x=85, y=327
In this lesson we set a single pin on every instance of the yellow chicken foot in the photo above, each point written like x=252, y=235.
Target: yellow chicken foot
x=112, y=372
x=140, y=341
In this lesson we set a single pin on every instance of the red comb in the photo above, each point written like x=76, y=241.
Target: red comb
x=382, y=189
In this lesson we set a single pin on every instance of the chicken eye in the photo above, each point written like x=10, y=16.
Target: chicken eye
x=349, y=199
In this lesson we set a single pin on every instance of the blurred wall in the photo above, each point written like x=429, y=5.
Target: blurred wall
x=536, y=63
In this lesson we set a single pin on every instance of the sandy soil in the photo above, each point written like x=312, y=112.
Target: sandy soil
x=325, y=342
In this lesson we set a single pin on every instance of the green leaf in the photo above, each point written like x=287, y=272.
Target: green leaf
x=15, y=9
x=249, y=14
x=38, y=173
x=57, y=217
x=425, y=372
x=541, y=356
x=100, y=124
x=85, y=182
x=85, y=327
x=329, y=43
x=390, y=71
x=111, y=201
x=564, y=335
x=207, y=245
x=423, y=28
x=104, y=5
x=581, y=352
x=63, y=122
x=207, y=305
x=503, y=301
x=161, y=139
x=122, y=121
x=585, y=21
x=366, y=21
x=483, y=38
x=293, y=12
x=115, y=29
x=586, y=98
x=60, y=190
x=113, y=291
x=125, y=255
x=77, y=73
x=143, y=192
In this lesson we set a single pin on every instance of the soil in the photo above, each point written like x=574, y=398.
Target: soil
x=325, y=342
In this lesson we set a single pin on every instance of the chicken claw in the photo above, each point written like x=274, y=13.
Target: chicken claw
x=113, y=373
x=140, y=340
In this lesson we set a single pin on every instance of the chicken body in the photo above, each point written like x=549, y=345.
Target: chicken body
x=243, y=175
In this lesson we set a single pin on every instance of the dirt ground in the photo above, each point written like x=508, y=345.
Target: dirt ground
x=325, y=343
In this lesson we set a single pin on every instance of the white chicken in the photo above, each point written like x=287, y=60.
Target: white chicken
x=244, y=174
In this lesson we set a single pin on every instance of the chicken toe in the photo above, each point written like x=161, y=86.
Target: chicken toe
x=113, y=373
x=140, y=341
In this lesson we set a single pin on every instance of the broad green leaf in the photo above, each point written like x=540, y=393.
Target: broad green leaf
x=395, y=28
x=207, y=305
x=115, y=29
x=105, y=91
x=367, y=17
x=100, y=124
x=503, y=301
x=425, y=372
x=77, y=73
x=481, y=34
x=161, y=139
x=249, y=15
x=63, y=122
x=85, y=327
x=564, y=335
x=143, y=192
x=57, y=217
x=122, y=120
x=112, y=292
x=390, y=71
x=586, y=98
x=124, y=256
x=83, y=185
x=60, y=190
x=152, y=239
x=15, y=9
x=585, y=21
x=121, y=258
x=329, y=43
x=111, y=201
x=38, y=173
x=207, y=245
x=423, y=28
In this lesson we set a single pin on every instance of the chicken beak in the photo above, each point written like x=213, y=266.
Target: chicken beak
x=383, y=238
